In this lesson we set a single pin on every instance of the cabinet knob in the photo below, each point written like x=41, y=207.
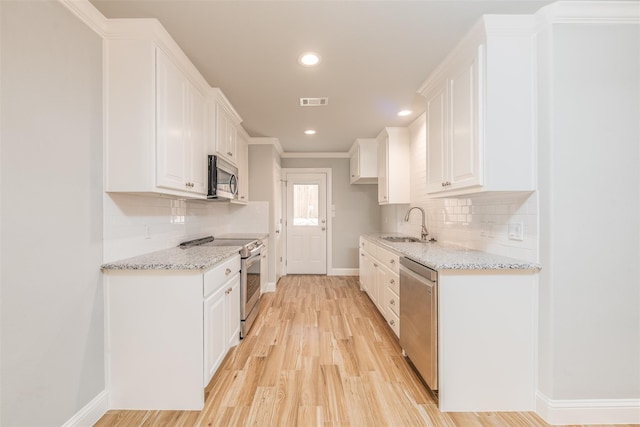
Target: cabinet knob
x=392, y=322
x=242, y=197
x=392, y=261
x=227, y=271
x=230, y=153
x=443, y=184
x=375, y=265
x=392, y=281
x=230, y=290
x=392, y=302
x=361, y=254
x=353, y=176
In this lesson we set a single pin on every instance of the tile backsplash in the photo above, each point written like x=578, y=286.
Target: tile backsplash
x=134, y=225
x=476, y=222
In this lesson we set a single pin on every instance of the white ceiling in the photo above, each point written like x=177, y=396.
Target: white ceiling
x=375, y=55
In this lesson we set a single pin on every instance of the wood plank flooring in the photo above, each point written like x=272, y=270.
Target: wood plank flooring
x=319, y=354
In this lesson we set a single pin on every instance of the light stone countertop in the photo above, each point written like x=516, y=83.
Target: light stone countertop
x=443, y=256
x=193, y=258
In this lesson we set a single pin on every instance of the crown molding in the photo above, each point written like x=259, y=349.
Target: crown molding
x=88, y=14
x=316, y=155
x=222, y=99
x=590, y=12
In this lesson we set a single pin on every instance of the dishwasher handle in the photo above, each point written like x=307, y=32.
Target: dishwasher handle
x=419, y=269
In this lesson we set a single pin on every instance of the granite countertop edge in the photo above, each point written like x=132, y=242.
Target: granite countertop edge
x=194, y=258
x=446, y=256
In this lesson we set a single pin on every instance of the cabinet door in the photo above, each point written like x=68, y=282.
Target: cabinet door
x=197, y=141
x=243, y=170
x=354, y=164
x=383, y=170
x=436, y=139
x=226, y=136
x=233, y=311
x=215, y=332
x=171, y=156
x=464, y=99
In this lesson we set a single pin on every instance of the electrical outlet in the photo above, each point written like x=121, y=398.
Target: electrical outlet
x=516, y=231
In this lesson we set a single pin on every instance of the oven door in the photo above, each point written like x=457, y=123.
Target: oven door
x=250, y=285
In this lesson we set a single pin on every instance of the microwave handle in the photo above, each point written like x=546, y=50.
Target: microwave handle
x=233, y=183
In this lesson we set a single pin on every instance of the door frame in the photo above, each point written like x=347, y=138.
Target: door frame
x=329, y=210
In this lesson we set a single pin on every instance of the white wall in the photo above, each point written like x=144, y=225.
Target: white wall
x=52, y=331
x=475, y=221
x=589, y=137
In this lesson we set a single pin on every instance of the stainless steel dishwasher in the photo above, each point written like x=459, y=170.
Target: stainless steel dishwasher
x=419, y=319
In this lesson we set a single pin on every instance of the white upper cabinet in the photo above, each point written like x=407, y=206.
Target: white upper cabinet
x=181, y=125
x=156, y=114
x=363, y=161
x=393, y=166
x=480, y=111
x=224, y=132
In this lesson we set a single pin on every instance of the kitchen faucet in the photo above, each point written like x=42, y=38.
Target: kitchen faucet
x=424, y=233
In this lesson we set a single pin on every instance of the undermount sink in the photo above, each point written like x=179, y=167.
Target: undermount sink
x=396, y=239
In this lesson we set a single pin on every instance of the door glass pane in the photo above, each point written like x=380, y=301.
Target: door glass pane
x=305, y=204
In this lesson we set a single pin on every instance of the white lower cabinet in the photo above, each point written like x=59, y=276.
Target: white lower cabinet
x=167, y=333
x=379, y=278
x=221, y=317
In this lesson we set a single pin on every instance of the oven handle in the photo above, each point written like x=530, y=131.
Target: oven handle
x=253, y=258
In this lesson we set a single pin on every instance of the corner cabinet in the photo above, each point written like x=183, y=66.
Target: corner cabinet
x=156, y=120
x=393, y=166
x=480, y=111
x=242, y=146
x=363, y=161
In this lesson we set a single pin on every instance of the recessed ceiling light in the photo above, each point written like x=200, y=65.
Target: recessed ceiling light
x=310, y=132
x=309, y=59
x=404, y=113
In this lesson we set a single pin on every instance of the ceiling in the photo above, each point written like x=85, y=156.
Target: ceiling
x=374, y=56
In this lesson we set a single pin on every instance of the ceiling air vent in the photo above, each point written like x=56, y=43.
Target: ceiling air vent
x=314, y=102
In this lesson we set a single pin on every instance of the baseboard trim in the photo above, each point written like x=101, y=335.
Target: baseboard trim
x=269, y=287
x=343, y=272
x=91, y=412
x=592, y=411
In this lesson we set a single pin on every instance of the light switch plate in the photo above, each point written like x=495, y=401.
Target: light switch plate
x=516, y=231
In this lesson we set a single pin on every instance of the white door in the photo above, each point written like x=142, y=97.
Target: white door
x=306, y=223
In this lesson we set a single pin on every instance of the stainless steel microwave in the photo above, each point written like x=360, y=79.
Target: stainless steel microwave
x=223, y=180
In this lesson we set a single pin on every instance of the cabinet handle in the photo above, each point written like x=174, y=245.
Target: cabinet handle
x=242, y=197
x=229, y=153
x=227, y=272
x=375, y=265
x=392, y=302
x=392, y=322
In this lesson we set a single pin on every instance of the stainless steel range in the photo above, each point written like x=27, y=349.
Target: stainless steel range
x=249, y=273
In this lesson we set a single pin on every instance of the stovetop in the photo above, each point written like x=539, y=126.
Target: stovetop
x=249, y=246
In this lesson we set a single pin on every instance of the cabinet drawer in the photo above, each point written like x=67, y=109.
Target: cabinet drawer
x=389, y=259
x=369, y=247
x=220, y=274
x=394, y=322
x=393, y=283
x=392, y=301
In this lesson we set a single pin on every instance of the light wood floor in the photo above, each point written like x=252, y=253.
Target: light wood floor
x=319, y=355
